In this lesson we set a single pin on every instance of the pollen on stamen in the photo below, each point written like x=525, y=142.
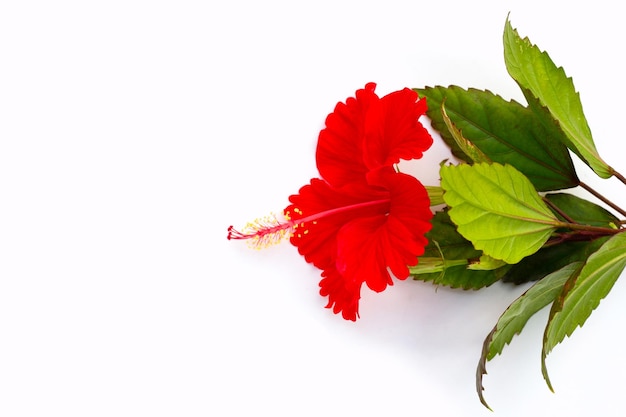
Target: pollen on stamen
x=263, y=232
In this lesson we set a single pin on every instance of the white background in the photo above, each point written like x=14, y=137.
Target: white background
x=132, y=134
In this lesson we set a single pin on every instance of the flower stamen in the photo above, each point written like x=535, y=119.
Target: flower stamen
x=263, y=232
x=270, y=230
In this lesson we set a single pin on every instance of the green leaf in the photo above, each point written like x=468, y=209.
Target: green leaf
x=583, y=211
x=582, y=294
x=564, y=248
x=505, y=131
x=546, y=85
x=428, y=265
x=449, y=256
x=435, y=195
x=444, y=239
x=497, y=208
x=513, y=320
x=467, y=147
x=550, y=258
x=486, y=263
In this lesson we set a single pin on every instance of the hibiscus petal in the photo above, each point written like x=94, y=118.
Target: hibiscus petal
x=339, y=154
x=342, y=297
x=362, y=252
x=393, y=131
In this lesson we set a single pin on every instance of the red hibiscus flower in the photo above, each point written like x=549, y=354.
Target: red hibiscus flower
x=363, y=221
x=379, y=216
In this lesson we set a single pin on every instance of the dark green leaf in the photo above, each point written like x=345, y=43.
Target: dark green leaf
x=582, y=294
x=443, y=237
x=466, y=146
x=550, y=258
x=583, y=211
x=458, y=254
x=505, y=131
x=516, y=316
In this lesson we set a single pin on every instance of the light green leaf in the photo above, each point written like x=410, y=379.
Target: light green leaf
x=486, y=263
x=497, y=209
x=435, y=195
x=546, y=85
x=431, y=265
x=550, y=258
x=582, y=294
x=516, y=316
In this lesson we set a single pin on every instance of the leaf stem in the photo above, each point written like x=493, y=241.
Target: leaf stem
x=618, y=175
x=596, y=229
x=558, y=210
x=603, y=198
